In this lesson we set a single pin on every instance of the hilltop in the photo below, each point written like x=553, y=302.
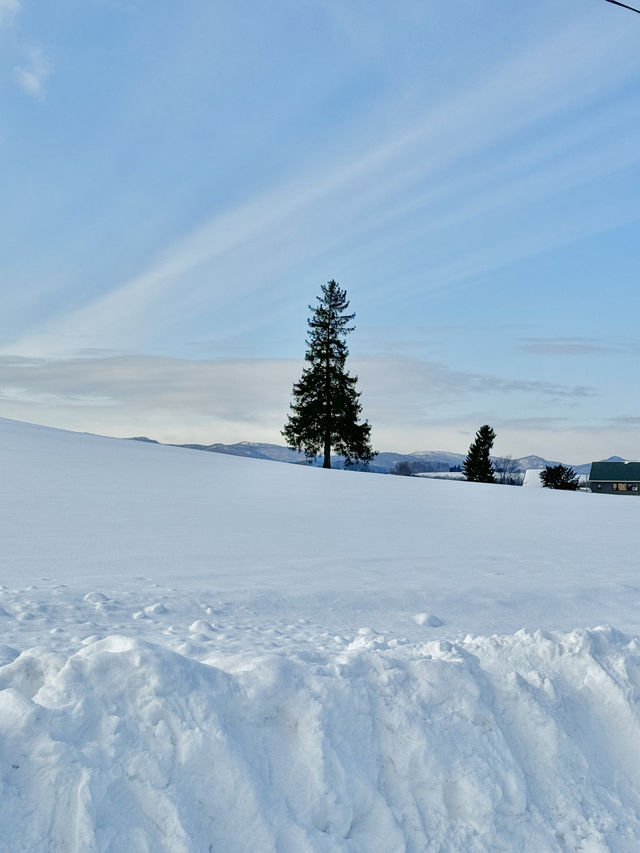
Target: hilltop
x=204, y=652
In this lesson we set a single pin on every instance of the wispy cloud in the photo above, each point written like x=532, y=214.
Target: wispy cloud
x=32, y=74
x=626, y=420
x=402, y=383
x=536, y=423
x=357, y=208
x=8, y=9
x=21, y=395
x=412, y=404
x=575, y=346
x=565, y=346
x=122, y=5
x=172, y=399
x=231, y=399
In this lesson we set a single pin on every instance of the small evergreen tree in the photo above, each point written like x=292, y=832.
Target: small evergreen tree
x=326, y=408
x=559, y=477
x=477, y=467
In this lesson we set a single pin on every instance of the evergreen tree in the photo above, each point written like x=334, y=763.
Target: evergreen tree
x=477, y=467
x=402, y=469
x=559, y=477
x=326, y=408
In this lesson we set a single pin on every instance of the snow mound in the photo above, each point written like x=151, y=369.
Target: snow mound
x=532, y=478
x=528, y=741
x=429, y=619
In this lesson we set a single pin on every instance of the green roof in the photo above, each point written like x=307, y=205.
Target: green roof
x=613, y=472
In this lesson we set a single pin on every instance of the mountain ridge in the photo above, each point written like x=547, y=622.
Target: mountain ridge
x=423, y=461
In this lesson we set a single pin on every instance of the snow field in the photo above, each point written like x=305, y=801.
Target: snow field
x=189, y=661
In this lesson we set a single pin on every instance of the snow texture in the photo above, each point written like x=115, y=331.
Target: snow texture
x=207, y=653
x=532, y=479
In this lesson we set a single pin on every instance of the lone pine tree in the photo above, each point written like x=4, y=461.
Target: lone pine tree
x=477, y=467
x=325, y=410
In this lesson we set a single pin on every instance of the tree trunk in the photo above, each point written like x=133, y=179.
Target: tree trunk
x=327, y=403
x=327, y=453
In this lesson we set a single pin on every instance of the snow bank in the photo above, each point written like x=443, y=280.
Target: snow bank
x=503, y=743
x=532, y=478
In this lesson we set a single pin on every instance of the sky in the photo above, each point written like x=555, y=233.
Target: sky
x=177, y=181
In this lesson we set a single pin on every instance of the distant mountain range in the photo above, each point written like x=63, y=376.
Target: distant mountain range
x=422, y=461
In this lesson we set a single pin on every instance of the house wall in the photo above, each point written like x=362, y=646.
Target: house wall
x=607, y=488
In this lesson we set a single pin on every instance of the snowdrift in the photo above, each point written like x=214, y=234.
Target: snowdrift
x=189, y=663
x=522, y=742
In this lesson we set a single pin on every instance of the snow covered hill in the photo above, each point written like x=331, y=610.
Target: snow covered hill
x=207, y=653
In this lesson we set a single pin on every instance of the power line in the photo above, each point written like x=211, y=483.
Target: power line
x=624, y=5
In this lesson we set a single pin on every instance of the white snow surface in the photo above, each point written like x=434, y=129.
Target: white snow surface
x=532, y=478
x=202, y=652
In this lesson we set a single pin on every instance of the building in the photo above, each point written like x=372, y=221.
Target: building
x=615, y=478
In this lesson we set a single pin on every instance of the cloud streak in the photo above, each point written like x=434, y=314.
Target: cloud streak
x=575, y=346
x=566, y=346
x=358, y=208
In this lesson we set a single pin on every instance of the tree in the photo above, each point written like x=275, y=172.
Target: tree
x=477, y=467
x=559, y=477
x=507, y=471
x=403, y=469
x=326, y=406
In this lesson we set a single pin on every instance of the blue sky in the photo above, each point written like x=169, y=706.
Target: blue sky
x=178, y=180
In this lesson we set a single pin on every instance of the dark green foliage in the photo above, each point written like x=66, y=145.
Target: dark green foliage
x=477, y=467
x=559, y=477
x=403, y=469
x=325, y=408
